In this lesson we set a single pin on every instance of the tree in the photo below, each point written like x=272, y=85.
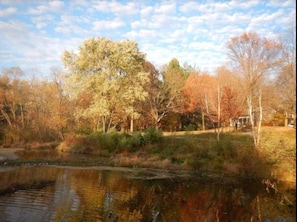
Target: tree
x=41, y=109
x=110, y=74
x=59, y=103
x=191, y=93
x=153, y=87
x=285, y=82
x=254, y=58
x=174, y=79
x=232, y=101
x=164, y=90
x=200, y=92
x=13, y=92
x=227, y=107
x=132, y=93
x=31, y=110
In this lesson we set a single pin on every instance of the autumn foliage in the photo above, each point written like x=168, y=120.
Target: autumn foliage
x=109, y=85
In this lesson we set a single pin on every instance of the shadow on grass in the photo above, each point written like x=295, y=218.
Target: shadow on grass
x=233, y=154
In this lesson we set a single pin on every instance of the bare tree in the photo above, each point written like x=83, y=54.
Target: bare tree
x=254, y=58
x=286, y=80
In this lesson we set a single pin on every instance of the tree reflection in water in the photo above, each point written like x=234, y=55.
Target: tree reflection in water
x=92, y=194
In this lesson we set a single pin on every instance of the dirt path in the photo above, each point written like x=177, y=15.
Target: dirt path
x=9, y=153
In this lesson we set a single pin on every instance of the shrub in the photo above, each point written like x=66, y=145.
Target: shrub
x=190, y=127
x=77, y=148
x=107, y=141
x=137, y=140
x=29, y=136
x=225, y=149
x=196, y=163
x=123, y=143
x=84, y=131
x=152, y=135
x=190, y=141
x=114, y=141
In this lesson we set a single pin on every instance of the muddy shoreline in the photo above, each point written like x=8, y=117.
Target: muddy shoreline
x=9, y=153
x=9, y=160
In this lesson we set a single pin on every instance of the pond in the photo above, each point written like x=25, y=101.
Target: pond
x=56, y=193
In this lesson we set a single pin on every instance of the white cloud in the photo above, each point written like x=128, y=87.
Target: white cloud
x=146, y=11
x=277, y=3
x=143, y=34
x=179, y=33
x=7, y=11
x=42, y=21
x=21, y=46
x=108, y=24
x=19, y=2
x=55, y=5
x=226, y=33
x=190, y=7
x=268, y=19
x=69, y=24
x=116, y=8
x=165, y=8
x=202, y=46
x=12, y=30
x=239, y=4
x=138, y=24
x=194, y=23
x=236, y=18
x=51, y=6
x=71, y=30
x=35, y=32
x=221, y=7
x=160, y=21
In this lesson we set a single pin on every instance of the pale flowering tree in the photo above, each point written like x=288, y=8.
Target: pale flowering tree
x=110, y=74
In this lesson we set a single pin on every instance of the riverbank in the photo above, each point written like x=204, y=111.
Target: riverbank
x=197, y=152
x=9, y=153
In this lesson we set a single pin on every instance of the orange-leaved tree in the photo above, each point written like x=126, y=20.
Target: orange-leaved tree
x=199, y=92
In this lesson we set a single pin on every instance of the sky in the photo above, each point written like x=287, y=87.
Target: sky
x=34, y=34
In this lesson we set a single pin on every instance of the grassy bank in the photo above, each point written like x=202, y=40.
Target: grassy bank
x=234, y=154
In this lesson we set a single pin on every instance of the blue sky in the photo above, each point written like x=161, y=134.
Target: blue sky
x=34, y=34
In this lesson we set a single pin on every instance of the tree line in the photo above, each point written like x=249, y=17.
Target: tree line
x=109, y=84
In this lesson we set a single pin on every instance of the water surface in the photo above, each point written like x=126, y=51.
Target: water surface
x=48, y=193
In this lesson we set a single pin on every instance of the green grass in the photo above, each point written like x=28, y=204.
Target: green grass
x=234, y=153
x=278, y=151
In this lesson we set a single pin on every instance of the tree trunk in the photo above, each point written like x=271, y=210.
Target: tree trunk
x=286, y=118
x=131, y=123
x=219, y=114
x=252, y=120
x=6, y=116
x=256, y=127
x=203, y=123
x=104, y=124
x=22, y=116
x=259, y=124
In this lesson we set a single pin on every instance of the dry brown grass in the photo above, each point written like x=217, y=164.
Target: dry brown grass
x=278, y=128
x=278, y=146
x=143, y=160
x=9, y=153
